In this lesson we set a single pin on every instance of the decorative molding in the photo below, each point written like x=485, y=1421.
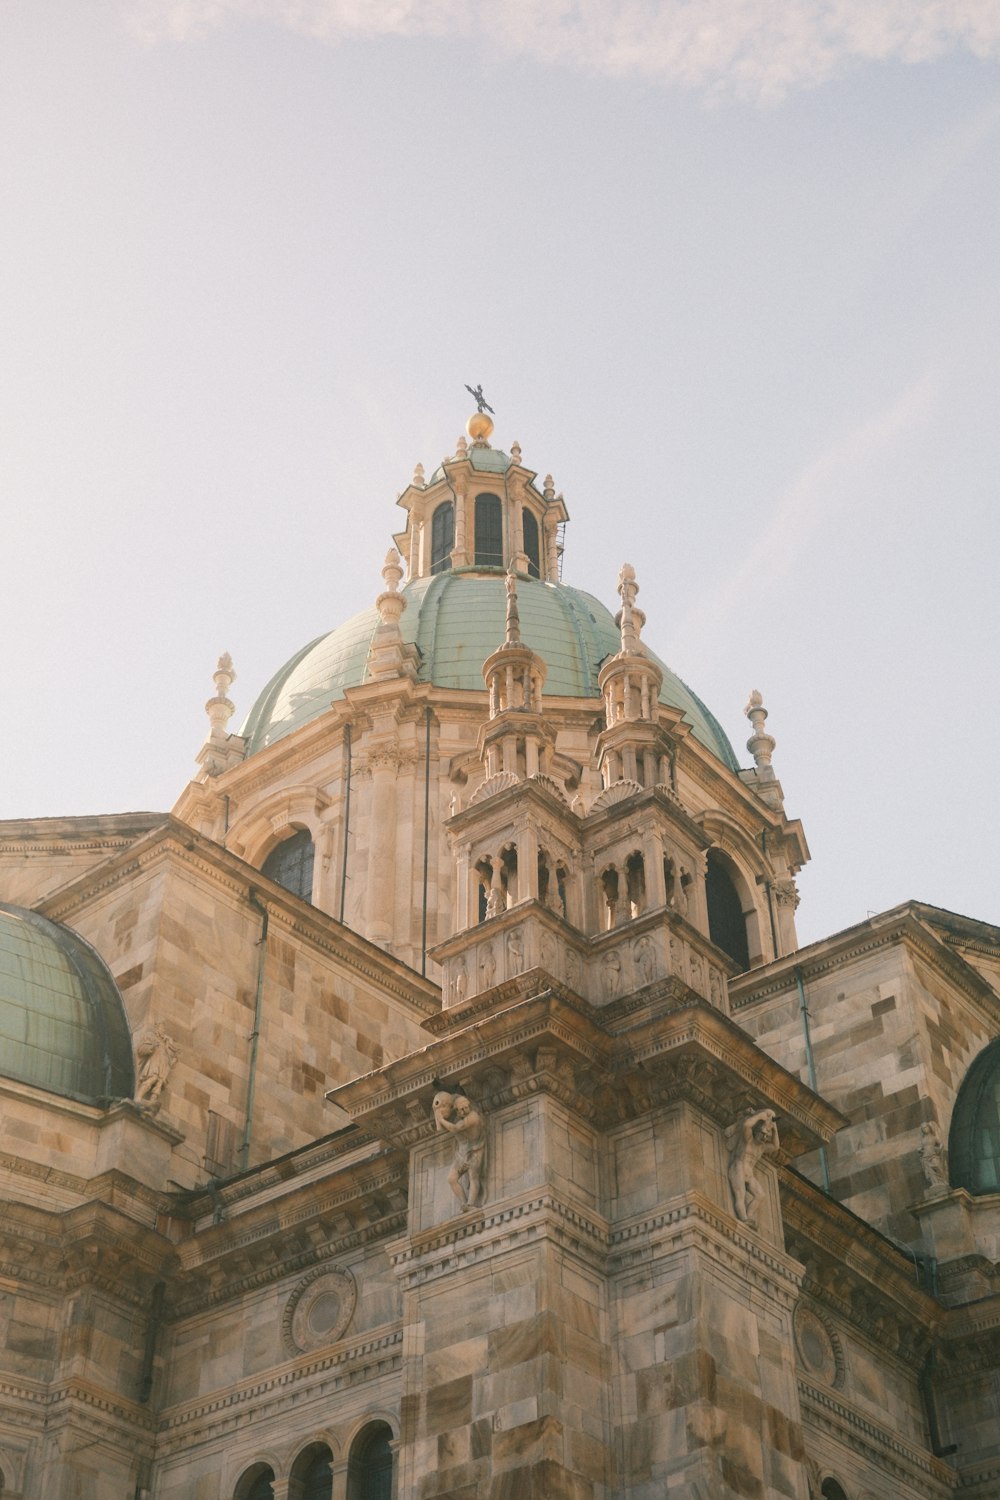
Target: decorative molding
x=320, y=1310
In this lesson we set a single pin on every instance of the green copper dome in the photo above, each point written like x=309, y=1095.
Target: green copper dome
x=62, y=1021
x=456, y=619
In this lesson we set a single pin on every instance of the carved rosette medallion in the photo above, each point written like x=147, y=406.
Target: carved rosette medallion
x=819, y=1350
x=319, y=1310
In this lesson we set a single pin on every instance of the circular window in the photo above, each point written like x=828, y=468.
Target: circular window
x=319, y=1310
x=818, y=1350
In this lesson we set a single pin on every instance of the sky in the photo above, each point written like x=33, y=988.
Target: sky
x=729, y=271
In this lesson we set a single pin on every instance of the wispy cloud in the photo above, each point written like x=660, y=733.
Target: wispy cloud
x=822, y=488
x=760, y=49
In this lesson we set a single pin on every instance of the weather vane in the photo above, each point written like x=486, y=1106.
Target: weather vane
x=480, y=399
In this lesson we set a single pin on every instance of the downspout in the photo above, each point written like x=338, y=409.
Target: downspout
x=925, y=1382
x=811, y=1067
x=427, y=828
x=255, y=1034
x=347, y=818
x=152, y=1333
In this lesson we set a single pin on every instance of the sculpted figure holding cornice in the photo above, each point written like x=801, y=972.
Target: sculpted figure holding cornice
x=457, y=1114
x=752, y=1138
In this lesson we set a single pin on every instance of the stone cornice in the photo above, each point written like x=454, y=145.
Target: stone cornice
x=901, y=925
x=553, y=1042
x=175, y=841
x=345, y=1364
x=58, y=835
x=91, y=1245
x=887, y=1453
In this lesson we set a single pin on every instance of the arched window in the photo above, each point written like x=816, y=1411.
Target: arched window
x=727, y=925
x=442, y=537
x=831, y=1490
x=291, y=864
x=369, y=1472
x=489, y=532
x=974, y=1143
x=256, y=1484
x=531, y=546
x=313, y=1469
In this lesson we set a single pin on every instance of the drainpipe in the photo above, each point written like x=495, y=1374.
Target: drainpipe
x=255, y=1034
x=152, y=1332
x=427, y=828
x=925, y=1381
x=811, y=1067
x=347, y=817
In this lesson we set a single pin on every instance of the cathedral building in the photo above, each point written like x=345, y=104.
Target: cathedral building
x=437, y=1102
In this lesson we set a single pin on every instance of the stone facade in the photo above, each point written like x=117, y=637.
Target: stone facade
x=520, y=1152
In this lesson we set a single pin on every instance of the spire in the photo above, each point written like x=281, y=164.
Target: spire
x=389, y=655
x=760, y=745
x=630, y=619
x=219, y=751
x=513, y=636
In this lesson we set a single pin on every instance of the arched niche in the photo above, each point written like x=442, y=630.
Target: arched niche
x=729, y=909
x=974, y=1139
x=255, y=1483
x=488, y=531
x=290, y=863
x=369, y=1468
x=442, y=536
x=312, y=1474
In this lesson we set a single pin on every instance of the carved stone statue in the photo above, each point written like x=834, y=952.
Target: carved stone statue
x=932, y=1156
x=459, y=1116
x=487, y=965
x=515, y=952
x=642, y=953
x=155, y=1055
x=750, y=1139
x=612, y=966
x=495, y=902
x=460, y=982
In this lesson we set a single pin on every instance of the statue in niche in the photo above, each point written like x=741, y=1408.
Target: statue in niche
x=457, y=1114
x=642, y=953
x=572, y=968
x=715, y=986
x=697, y=979
x=460, y=983
x=750, y=1139
x=612, y=965
x=515, y=952
x=487, y=965
x=932, y=1155
x=495, y=902
x=547, y=952
x=155, y=1055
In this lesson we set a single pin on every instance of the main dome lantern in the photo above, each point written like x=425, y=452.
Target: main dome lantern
x=479, y=514
x=357, y=758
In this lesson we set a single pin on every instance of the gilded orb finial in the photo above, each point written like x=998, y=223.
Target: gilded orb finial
x=479, y=426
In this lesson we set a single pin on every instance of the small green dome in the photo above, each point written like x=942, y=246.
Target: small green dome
x=62, y=1020
x=457, y=619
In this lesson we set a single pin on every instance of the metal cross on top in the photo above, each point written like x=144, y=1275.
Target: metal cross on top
x=480, y=399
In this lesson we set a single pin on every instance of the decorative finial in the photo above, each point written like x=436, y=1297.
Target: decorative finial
x=760, y=744
x=418, y=480
x=515, y=454
x=513, y=637
x=549, y=489
x=392, y=570
x=479, y=426
x=629, y=623
x=220, y=710
x=461, y=448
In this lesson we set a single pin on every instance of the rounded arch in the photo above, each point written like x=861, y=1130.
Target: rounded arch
x=488, y=529
x=312, y=1473
x=974, y=1138
x=532, y=543
x=255, y=1483
x=442, y=536
x=370, y=1462
x=254, y=833
x=832, y=1489
x=291, y=862
x=729, y=907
